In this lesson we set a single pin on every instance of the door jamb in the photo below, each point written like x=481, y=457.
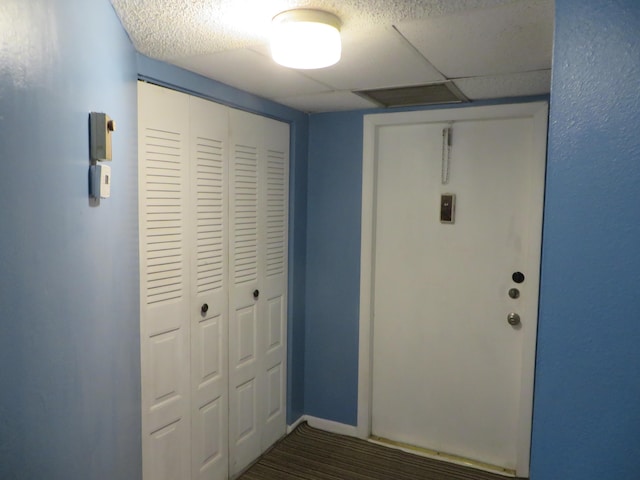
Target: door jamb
x=539, y=112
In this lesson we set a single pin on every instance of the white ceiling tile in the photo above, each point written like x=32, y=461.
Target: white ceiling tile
x=507, y=39
x=252, y=72
x=327, y=102
x=166, y=29
x=376, y=58
x=503, y=86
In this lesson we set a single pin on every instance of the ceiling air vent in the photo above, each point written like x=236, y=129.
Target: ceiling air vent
x=430, y=94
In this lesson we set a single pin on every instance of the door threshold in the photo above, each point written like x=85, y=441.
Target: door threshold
x=447, y=457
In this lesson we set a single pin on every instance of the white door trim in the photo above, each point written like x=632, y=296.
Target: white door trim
x=539, y=112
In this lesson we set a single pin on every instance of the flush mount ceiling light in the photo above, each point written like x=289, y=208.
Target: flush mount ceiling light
x=305, y=39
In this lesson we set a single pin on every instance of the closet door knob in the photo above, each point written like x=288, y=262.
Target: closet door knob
x=256, y=294
x=204, y=308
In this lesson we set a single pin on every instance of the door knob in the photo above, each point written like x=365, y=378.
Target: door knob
x=513, y=319
x=256, y=294
x=204, y=308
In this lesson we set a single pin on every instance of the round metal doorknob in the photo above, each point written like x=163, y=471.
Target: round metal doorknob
x=204, y=308
x=256, y=293
x=513, y=319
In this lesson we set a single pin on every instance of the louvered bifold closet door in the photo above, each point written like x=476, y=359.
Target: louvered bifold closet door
x=209, y=290
x=274, y=217
x=257, y=188
x=164, y=278
x=244, y=434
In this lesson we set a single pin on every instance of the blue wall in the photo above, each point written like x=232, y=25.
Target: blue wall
x=587, y=401
x=173, y=77
x=333, y=266
x=69, y=332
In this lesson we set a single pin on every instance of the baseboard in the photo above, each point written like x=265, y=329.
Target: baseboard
x=326, y=425
x=294, y=425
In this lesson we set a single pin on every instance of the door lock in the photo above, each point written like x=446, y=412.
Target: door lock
x=513, y=319
x=514, y=293
x=517, y=277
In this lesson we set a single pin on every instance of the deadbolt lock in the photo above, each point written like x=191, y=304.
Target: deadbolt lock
x=514, y=293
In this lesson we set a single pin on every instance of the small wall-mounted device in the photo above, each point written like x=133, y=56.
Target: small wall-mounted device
x=100, y=129
x=447, y=208
x=100, y=181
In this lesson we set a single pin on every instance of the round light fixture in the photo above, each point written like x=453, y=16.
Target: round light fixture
x=305, y=39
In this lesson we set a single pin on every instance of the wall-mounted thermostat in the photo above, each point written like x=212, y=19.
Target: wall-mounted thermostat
x=100, y=181
x=100, y=129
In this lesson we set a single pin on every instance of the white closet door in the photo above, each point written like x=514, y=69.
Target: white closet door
x=275, y=203
x=208, y=132
x=244, y=325
x=164, y=279
x=258, y=236
x=213, y=279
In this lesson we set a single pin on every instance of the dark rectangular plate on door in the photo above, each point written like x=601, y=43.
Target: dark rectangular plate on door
x=447, y=208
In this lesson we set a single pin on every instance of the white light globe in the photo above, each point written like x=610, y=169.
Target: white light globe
x=306, y=39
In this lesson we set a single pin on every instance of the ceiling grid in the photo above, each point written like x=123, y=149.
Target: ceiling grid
x=489, y=48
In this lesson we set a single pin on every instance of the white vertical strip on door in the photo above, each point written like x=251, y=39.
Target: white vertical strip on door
x=536, y=176
x=208, y=132
x=164, y=278
x=244, y=322
x=274, y=215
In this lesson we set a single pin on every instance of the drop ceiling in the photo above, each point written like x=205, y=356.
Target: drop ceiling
x=488, y=48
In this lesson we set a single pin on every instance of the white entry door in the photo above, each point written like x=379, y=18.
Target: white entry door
x=455, y=303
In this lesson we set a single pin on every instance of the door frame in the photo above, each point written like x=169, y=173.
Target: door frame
x=538, y=111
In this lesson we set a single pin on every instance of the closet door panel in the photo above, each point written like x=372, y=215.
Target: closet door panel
x=164, y=278
x=244, y=294
x=274, y=217
x=208, y=212
x=258, y=264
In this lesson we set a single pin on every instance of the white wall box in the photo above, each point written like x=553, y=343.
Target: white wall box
x=213, y=209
